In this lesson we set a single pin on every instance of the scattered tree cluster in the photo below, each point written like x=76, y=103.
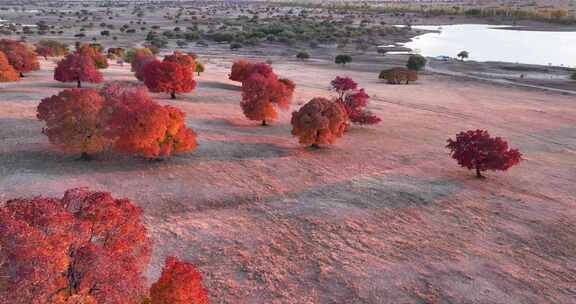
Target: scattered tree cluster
x=121, y=117
x=476, y=149
x=398, y=75
x=85, y=248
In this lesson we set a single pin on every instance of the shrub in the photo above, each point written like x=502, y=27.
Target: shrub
x=20, y=57
x=416, y=62
x=7, y=72
x=199, y=68
x=342, y=59
x=180, y=283
x=320, y=121
x=73, y=121
x=77, y=68
x=303, y=55
x=140, y=126
x=398, y=75
x=475, y=149
x=131, y=53
x=168, y=77
x=49, y=47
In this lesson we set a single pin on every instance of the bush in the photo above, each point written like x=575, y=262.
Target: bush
x=398, y=75
x=475, y=149
x=320, y=121
x=342, y=59
x=303, y=56
x=416, y=62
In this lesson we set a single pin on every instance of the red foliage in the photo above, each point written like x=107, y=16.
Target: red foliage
x=342, y=85
x=84, y=248
x=261, y=92
x=19, y=56
x=73, y=121
x=182, y=59
x=7, y=72
x=180, y=283
x=354, y=101
x=240, y=70
x=100, y=60
x=475, y=149
x=44, y=51
x=141, y=58
x=320, y=121
x=77, y=68
x=168, y=77
x=141, y=126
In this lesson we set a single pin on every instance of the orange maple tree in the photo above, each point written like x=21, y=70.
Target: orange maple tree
x=20, y=56
x=7, y=72
x=180, y=283
x=262, y=93
x=99, y=59
x=320, y=121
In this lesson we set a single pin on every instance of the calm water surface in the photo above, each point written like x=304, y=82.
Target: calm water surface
x=488, y=43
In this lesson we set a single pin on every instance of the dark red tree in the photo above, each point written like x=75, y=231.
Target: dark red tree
x=73, y=121
x=180, y=283
x=168, y=77
x=320, y=121
x=354, y=101
x=77, y=68
x=240, y=70
x=475, y=149
x=140, y=59
x=342, y=85
x=20, y=56
x=84, y=248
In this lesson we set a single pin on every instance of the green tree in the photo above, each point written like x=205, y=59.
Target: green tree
x=342, y=59
x=416, y=62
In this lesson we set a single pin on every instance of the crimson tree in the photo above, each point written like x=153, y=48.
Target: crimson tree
x=77, y=68
x=476, y=149
x=354, y=101
x=168, y=77
x=180, y=283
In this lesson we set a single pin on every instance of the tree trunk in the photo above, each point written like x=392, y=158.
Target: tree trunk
x=198, y=74
x=22, y=75
x=79, y=84
x=478, y=174
x=173, y=95
x=264, y=123
x=85, y=156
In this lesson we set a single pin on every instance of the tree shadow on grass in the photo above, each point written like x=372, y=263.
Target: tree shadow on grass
x=218, y=85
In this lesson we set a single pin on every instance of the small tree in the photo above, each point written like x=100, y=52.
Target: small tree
x=354, y=101
x=180, y=283
x=475, y=149
x=416, y=62
x=398, y=75
x=343, y=59
x=77, y=68
x=463, y=55
x=342, y=85
x=93, y=51
x=168, y=77
x=199, y=68
x=73, y=121
x=20, y=57
x=262, y=93
x=7, y=72
x=320, y=121
x=303, y=55
x=140, y=126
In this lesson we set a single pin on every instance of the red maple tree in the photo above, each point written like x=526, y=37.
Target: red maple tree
x=20, y=56
x=73, y=121
x=76, y=67
x=320, y=121
x=84, y=248
x=94, y=52
x=7, y=72
x=140, y=126
x=240, y=70
x=168, y=77
x=182, y=59
x=354, y=100
x=476, y=149
x=261, y=95
x=180, y=283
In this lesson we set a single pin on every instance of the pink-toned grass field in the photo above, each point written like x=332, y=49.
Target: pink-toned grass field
x=383, y=216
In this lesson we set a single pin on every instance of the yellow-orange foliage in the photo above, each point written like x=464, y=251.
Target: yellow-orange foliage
x=7, y=72
x=320, y=121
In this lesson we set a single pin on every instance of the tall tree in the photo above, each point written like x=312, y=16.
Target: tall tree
x=78, y=68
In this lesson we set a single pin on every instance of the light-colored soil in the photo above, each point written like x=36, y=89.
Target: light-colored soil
x=383, y=216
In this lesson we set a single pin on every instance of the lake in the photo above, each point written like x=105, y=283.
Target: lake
x=488, y=43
